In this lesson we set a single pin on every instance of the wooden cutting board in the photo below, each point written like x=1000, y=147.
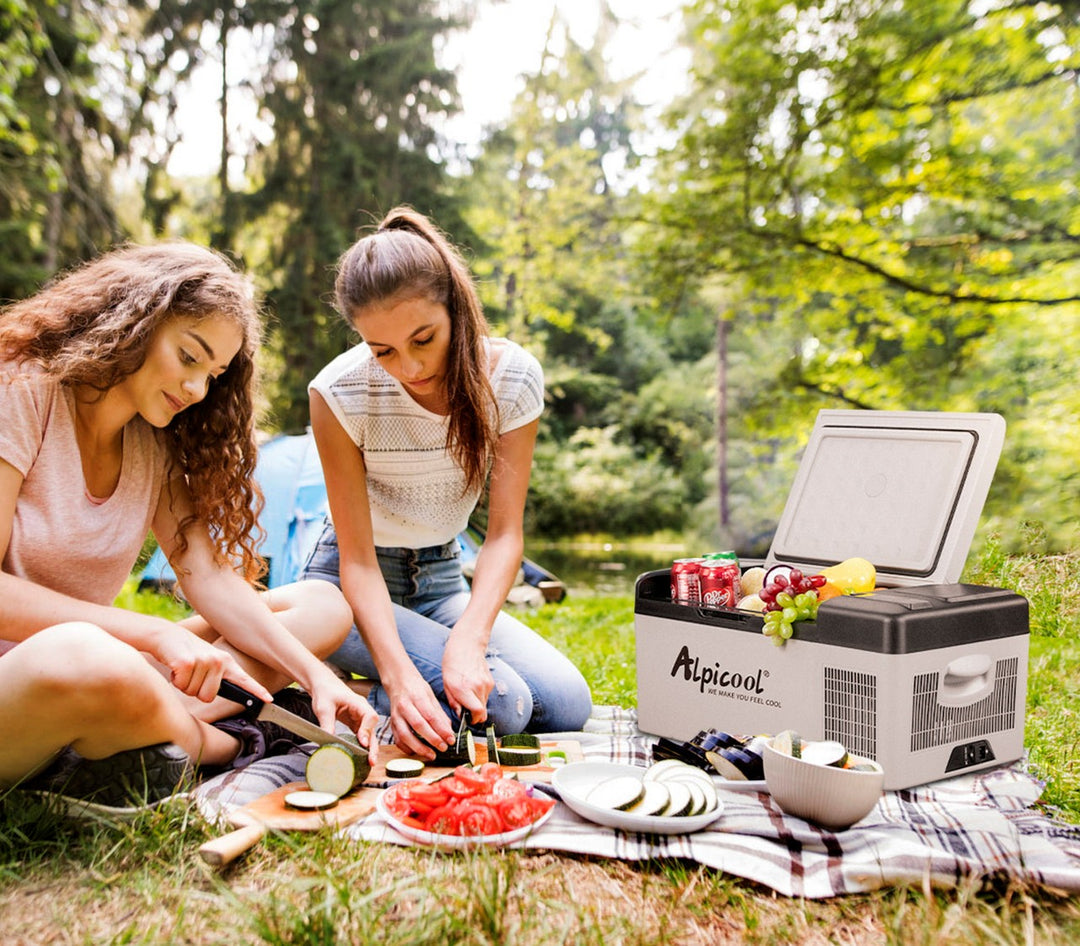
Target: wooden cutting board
x=541, y=772
x=270, y=813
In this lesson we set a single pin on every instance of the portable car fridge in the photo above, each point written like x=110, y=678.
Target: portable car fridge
x=925, y=675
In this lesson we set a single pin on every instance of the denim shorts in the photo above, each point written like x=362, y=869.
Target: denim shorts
x=537, y=689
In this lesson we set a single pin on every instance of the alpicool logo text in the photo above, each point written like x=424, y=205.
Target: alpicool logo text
x=713, y=678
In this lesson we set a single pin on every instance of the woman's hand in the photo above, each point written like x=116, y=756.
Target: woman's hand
x=197, y=668
x=467, y=680
x=417, y=719
x=334, y=700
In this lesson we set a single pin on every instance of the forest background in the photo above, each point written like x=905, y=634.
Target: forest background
x=865, y=205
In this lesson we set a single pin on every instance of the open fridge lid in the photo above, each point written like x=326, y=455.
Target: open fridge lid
x=903, y=489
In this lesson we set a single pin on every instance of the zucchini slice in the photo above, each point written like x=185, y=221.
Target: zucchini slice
x=827, y=752
x=522, y=740
x=681, y=799
x=462, y=752
x=654, y=800
x=788, y=743
x=311, y=801
x=335, y=769
x=518, y=755
x=697, y=797
x=404, y=768
x=492, y=745
x=619, y=794
x=658, y=771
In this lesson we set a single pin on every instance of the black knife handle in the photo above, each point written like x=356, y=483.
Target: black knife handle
x=251, y=703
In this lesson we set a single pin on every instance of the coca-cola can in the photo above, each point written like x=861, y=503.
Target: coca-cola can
x=719, y=578
x=686, y=580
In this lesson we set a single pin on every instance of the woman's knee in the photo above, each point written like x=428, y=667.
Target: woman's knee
x=315, y=611
x=80, y=664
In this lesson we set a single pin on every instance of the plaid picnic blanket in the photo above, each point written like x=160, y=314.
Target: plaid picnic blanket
x=976, y=826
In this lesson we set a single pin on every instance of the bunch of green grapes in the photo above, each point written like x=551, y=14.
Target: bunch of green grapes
x=789, y=596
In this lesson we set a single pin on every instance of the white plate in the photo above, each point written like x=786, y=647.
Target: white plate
x=453, y=841
x=576, y=780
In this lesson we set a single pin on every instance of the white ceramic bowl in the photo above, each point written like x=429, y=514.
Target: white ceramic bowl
x=828, y=796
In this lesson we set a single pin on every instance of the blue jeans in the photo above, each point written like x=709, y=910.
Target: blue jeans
x=537, y=689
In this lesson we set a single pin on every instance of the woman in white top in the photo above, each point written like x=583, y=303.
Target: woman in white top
x=410, y=425
x=127, y=405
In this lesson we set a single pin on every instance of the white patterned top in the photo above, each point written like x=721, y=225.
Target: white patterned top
x=415, y=488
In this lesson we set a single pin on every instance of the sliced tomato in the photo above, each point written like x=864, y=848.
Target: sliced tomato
x=523, y=810
x=466, y=775
x=443, y=820
x=423, y=793
x=456, y=788
x=492, y=771
x=509, y=788
x=398, y=806
x=477, y=817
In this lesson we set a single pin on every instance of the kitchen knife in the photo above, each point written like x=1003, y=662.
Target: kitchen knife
x=259, y=709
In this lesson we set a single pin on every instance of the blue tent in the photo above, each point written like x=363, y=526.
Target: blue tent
x=291, y=479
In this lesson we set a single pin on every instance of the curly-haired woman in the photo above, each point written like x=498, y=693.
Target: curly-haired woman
x=127, y=393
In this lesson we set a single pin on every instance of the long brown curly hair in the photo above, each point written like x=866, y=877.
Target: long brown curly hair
x=93, y=327
x=409, y=257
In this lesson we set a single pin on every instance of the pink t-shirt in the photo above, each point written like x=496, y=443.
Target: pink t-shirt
x=61, y=537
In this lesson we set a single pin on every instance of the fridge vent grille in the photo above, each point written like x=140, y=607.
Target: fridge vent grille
x=851, y=710
x=936, y=725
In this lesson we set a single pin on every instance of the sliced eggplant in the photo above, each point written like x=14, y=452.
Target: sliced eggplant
x=738, y=764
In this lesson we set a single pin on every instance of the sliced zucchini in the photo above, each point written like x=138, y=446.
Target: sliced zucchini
x=681, y=799
x=788, y=743
x=557, y=757
x=658, y=770
x=827, y=752
x=404, y=768
x=654, y=799
x=335, y=769
x=703, y=783
x=518, y=755
x=311, y=800
x=462, y=752
x=492, y=745
x=619, y=794
x=522, y=740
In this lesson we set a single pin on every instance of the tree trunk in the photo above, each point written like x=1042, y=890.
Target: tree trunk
x=722, y=329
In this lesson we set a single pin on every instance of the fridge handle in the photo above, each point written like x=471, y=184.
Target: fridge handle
x=966, y=680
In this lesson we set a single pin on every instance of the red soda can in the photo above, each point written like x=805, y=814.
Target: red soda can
x=720, y=580
x=686, y=580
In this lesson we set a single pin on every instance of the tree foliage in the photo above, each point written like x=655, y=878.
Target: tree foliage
x=352, y=90
x=56, y=142
x=866, y=205
x=888, y=192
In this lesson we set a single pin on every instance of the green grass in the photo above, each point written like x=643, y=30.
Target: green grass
x=143, y=883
